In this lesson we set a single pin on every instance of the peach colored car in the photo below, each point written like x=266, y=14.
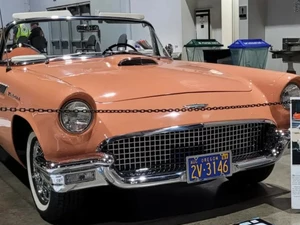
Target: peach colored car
x=296, y=116
x=67, y=145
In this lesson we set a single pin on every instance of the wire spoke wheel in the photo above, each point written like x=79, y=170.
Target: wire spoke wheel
x=52, y=206
x=40, y=189
x=40, y=184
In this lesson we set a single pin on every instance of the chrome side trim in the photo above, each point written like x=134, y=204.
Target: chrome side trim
x=87, y=164
x=3, y=88
x=195, y=106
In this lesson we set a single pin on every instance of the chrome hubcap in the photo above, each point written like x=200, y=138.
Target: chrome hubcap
x=40, y=184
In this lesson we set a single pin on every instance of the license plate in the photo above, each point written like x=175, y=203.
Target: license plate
x=208, y=166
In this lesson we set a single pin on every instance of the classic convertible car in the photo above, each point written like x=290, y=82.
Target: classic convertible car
x=84, y=64
x=296, y=116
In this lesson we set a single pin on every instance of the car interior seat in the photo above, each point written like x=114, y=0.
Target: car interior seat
x=90, y=45
x=122, y=40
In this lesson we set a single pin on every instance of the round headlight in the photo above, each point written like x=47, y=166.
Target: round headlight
x=291, y=90
x=76, y=122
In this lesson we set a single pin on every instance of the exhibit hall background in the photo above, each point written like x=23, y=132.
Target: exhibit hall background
x=14, y=6
x=281, y=22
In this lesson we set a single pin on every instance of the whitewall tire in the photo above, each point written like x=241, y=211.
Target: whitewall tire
x=52, y=206
x=31, y=144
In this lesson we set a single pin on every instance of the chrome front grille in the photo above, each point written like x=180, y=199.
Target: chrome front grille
x=165, y=151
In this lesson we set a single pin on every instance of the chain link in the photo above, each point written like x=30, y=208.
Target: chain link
x=39, y=110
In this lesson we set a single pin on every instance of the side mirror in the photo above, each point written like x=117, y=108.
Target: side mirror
x=169, y=49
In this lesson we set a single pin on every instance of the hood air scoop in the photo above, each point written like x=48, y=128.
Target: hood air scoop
x=137, y=61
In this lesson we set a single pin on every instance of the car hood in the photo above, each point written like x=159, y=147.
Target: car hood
x=106, y=81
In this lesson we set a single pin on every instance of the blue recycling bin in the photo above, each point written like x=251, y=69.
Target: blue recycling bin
x=250, y=53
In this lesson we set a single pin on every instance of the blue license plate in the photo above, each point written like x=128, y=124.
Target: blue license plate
x=208, y=166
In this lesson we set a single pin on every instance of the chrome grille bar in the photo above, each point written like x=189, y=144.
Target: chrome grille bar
x=165, y=151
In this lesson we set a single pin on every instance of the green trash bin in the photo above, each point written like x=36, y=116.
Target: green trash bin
x=195, y=48
x=250, y=53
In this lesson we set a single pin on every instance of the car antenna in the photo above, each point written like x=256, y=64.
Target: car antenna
x=8, y=67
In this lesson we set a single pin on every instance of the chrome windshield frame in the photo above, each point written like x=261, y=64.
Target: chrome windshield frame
x=10, y=25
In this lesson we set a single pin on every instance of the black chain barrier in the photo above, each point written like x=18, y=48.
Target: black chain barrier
x=191, y=109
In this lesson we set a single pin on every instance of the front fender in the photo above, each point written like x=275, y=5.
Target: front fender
x=54, y=140
x=271, y=84
x=282, y=115
x=45, y=92
x=267, y=81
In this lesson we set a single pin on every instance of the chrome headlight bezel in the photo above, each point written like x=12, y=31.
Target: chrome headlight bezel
x=65, y=107
x=285, y=94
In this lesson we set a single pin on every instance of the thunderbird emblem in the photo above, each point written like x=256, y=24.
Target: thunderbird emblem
x=196, y=106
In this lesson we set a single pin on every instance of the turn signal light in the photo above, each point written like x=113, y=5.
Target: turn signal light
x=80, y=177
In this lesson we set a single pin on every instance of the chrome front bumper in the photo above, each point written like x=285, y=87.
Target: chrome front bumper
x=99, y=172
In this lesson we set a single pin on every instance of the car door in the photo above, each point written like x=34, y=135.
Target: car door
x=6, y=101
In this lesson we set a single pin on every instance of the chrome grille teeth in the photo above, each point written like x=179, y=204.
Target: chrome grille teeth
x=166, y=152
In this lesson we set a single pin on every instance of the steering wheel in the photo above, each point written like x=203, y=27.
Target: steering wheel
x=110, y=48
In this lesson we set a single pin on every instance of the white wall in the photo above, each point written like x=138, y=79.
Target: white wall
x=282, y=22
x=244, y=28
x=38, y=5
x=103, y=5
x=165, y=16
x=215, y=15
x=188, y=23
x=257, y=18
x=107, y=32
x=227, y=22
x=109, y=6
x=8, y=7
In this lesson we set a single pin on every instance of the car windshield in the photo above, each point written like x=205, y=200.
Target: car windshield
x=52, y=39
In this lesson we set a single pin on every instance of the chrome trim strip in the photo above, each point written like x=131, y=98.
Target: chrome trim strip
x=3, y=88
x=87, y=164
x=195, y=106
x=139, y=182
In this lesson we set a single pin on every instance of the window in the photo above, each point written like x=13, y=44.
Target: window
x=64, y=37
x=78, y=9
